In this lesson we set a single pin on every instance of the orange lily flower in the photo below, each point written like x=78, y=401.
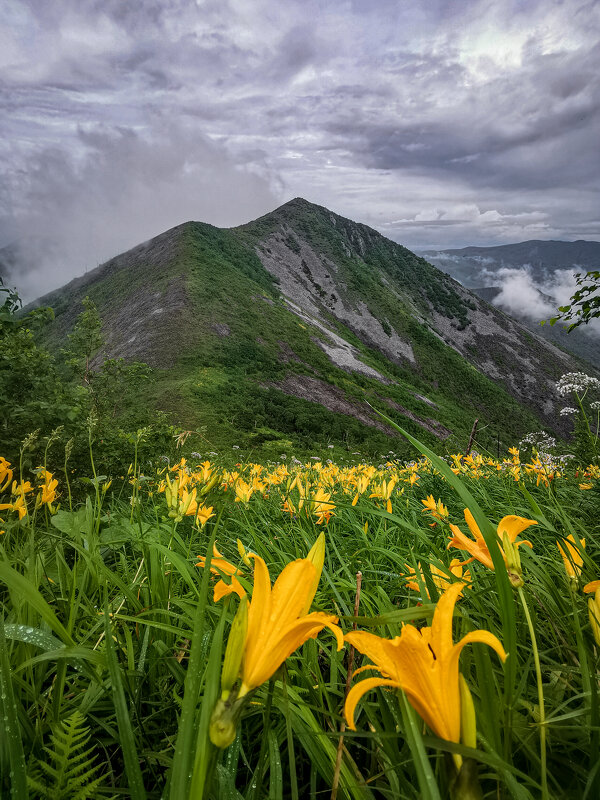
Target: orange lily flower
x=278, y=618
x=424, y=664
x=510, y=525
x=268, y=630
x=220, y=566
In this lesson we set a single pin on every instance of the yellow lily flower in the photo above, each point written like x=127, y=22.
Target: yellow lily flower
x=572, y=557
x=220, y=566
x=437, y=509
x=510, y=526
x=277, y=620
x=424, y=664
x=243, y=491
x=6, y=474
x=203, y=514
x=439, y=576
x=266, y=631
x=321, y=507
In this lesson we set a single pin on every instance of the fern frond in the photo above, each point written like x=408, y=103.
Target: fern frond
x=70, y=772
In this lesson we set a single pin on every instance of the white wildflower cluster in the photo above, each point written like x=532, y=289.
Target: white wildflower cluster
x=539, y=440
x=566, y=458
x=567, y=411
x=595, y=406
x=577, y=382
x=549, y=462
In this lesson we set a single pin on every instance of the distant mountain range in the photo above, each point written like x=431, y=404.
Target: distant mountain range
x=543, y=284
x=291, y=329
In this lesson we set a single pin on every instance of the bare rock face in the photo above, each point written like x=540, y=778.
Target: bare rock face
x=312, y=284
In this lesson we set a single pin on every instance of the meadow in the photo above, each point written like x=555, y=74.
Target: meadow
x=211, y=629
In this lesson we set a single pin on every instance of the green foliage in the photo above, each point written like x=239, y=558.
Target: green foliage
x=114, y=644
x=32, y=395
x=69, y=771
x=84, y=341
x=585, y=302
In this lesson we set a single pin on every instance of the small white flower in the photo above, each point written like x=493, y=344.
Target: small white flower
x=576, y=382
x=567, y=411
x=595, y=406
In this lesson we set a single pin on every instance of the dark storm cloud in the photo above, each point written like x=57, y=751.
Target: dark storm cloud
x=548, y=138
x=440, y=123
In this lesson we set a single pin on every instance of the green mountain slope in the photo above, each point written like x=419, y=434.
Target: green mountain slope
x=288, y=330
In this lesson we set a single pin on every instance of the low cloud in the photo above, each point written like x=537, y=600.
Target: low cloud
x=122, y=188
x=522, y=295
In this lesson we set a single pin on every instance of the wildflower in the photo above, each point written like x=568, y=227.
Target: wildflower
x=384, y=492
x=48, y=489
x=277, y=624
x=243, y=491
x=203, y=514
x=439, y=576
x=567, y=411
x=362, y=483
x=508, y=529
x=572, y=556
x=6, y=474
x=220, y=566
x=585, y=486
x=321, y=507
x=424, y=664
x=577, y=382
x=437, y=509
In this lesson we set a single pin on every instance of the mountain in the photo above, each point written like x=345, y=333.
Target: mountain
x=528, y=280
x=292, y=328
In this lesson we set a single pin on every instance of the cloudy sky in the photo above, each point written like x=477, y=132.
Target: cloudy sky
x=441, y=123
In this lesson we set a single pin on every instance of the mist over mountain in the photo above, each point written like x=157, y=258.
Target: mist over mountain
x=529, y=280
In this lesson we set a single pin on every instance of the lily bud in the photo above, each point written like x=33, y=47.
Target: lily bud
x=316, y=555
x=468, y=722
x=243, y=553
x=594, y=614
x=513, y=561
x=212, y=482
x=234, y=651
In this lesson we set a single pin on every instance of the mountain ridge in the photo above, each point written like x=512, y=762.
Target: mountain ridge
x=304, y=308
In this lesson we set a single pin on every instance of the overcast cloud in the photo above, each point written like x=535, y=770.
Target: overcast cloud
x=441, y=124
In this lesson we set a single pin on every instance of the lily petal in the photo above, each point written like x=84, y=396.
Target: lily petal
x=358, y=691
x=262, y=665
x=513, y=526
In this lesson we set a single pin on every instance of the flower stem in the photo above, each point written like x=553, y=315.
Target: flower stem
x=540, y=689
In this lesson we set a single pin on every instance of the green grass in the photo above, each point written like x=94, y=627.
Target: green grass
x=109, y=626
